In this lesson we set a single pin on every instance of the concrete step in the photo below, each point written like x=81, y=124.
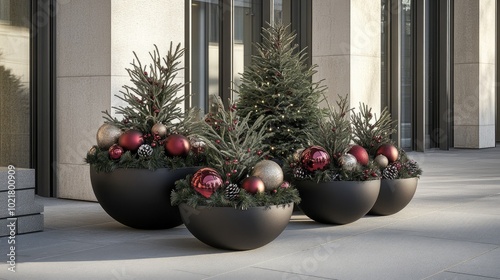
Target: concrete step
x=24, y=224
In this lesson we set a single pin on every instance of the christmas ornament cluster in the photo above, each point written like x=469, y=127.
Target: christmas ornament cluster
x=238, y=173
x=352, y=148
x=142, y=144
x=151, y=131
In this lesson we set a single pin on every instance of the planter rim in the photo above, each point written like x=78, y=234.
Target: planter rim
x=229, y=207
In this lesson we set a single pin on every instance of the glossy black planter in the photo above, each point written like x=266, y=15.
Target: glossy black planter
x=234, y=229
x=139, y=198
x=337, y=202
x=394, y=195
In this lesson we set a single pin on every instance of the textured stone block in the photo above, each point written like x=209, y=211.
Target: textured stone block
x=24, y=224
x=24, y=201
x=25, y=178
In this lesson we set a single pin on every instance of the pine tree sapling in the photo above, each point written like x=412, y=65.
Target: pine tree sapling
x=152, y=116
x=234, y=146
x=278, y=84
x=374, y=135
x=334, y=135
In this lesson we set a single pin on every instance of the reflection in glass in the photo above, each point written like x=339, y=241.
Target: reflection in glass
x=406, y=36
x=15, y=108
x=205, y=51
x=247, y=28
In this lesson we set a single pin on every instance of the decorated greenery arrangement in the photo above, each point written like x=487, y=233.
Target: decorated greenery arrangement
x=237, y=173
x=152, y=132
x=374, y=135
x=332, y=156
x=279, y=84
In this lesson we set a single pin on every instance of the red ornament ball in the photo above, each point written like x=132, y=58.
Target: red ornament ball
x=177, y=145
x=315, y=158
x=115, y=151
x=285, y=185
x=253, y=185
x=206, y=181
x=360, y=154
x=131, y=140
x=389, y=151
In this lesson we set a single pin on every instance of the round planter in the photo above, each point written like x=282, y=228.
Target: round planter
x=394, y=195
x=235, y=229
x=139, y=198
x=337, y=202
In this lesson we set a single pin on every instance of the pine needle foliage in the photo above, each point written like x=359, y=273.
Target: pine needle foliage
x=334, y=134
x=370, y=132
x=278, y=84
x=233, y=146
x=154, y=97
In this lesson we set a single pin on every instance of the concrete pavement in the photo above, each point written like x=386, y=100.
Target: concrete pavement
x=450, y=230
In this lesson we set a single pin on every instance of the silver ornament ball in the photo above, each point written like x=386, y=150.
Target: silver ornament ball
x=107, y=135
x=381, y=161
x=160, y=129
x=270, y=173
x=348, y=162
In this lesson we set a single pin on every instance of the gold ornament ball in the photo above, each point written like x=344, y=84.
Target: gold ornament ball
x=107, y=135
x=270, y=173
x=92, y=151
x=297, y=154
x=160, y=129
x=382, y=161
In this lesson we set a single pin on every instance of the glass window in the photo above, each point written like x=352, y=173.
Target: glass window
x=406, y=118
x=246, y=30
x=15, y=106
x=205, y=51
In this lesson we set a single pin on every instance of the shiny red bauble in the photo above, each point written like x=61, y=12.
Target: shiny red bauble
x=206, y=181
x=131, y=140
x=253, y=185
x=315, y=158
x=360, y=154
x=389, y=151
x=115, y=151
x=177, y=145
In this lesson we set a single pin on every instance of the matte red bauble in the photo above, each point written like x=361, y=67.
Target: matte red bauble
x=360, y=154
x=389, y=151
x=131, y=140
x=206, y=181
x=314, y=158
x=115, y=151
x=177, y=145
x=253, y=185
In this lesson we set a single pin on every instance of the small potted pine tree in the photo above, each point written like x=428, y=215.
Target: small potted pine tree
x=279, y=84
x=239, y=200
x=399, y=173
x=139, y=156
x=337, y=182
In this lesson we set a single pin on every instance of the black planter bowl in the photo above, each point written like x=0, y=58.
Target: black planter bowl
x=337, y=202
x=139, y=198
x=234, y=229
x=394, y=195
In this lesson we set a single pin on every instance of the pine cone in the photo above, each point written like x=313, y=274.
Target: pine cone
x=390, y=172
x=412, y=167
x=299, y=172
x=232, y=191
x=145, y=151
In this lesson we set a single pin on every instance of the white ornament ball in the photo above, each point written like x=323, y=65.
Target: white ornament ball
x=382, y=161
x=270, y=173
x=107, y=135
x=348, y=162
